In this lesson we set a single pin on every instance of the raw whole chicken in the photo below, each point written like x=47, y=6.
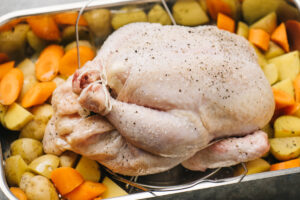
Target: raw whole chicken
x=161, y=95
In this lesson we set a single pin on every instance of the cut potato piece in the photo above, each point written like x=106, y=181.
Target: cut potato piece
x=29, y=82
x=261, y=58
x=273, y=51
x=271, y=73
x=286, y=86
x=267, y=23
x=44, y=165
x=44, y=111
x=287, y=126
x=40, y=188
x=34, y=129
x=15, y=167
x=253, y=167
x=113, y=190
x=16, y=117
x=89, y=169
x=25, y=180
x=27, y=67
x=158, y=15
x=68, y=159
x=189, y=13
x=288, y=65
x=35, y=42
x=285, y=148
x=243, y=30
x=128, y=15
x=29, y=149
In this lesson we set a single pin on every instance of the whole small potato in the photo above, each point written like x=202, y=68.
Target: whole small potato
x=40, y=188
x=34, y=129
x=27, y=148
x=25, y=180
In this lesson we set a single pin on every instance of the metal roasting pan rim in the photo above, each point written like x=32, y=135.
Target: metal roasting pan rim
x=5, y=193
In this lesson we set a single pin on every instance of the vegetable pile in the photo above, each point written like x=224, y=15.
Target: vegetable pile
x=38, y=53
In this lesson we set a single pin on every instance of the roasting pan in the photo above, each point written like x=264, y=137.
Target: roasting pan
x=283, y=184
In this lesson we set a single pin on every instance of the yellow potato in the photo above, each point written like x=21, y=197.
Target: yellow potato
x=158, y=15
x=273, y=51
x=68, y=34
x=128, y=15
x=44, y=165
x=44, y=111
x=14, y=168
x=17, y=117
x=261, y=58
x=89, y=169
x=253, y=167
x=287, y=126
x=35, y=42
x=27, y=67
x=34, y=129
x=25, y=180
x=27, y=148
x=271, y=73
x=288, y=65
x=285, y=148
x=189, y=13
x=243, y=30
x=267, y=23
x=286, y=86
x=113, y=190
x=40, y=188
x=81, y=43
x=68, y=159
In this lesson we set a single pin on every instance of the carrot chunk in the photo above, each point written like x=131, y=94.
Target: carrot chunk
x=17, y=192
x=6, y=67
x=282, y=99
x=225, y=23
x=44, y=27
x=280, y=37
x=218, y=6
x=38, y=94
x=286, y=165
x=11, y=86
x=66, y=179
x=259, y=38
x=86, y=191
x=68, y=64
x=69, y=18
x=47, y=65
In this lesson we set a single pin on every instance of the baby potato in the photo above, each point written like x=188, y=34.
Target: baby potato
x=158, y=15
x=89, y=169
x=69, y=34
x=38, y=44
x=44, y=111
x=68, y=159
x=128, y=15
x=40, y=188
x=34, y=129
x=287, y=126
x=81, y=43
x=14, y=168
x=285, y=148
x=44, y=165
x=25, y=180
x=27, y=148
x=189, y=13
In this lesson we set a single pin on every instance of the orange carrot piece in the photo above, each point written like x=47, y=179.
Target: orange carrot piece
x=285, y=165
x=259, y=38
x=98, y=198
x=290, y=110
x=69, y=18
x=86, y=191
x=280, y=37
x=296, y=84
x=3, y=57
x=11, y=86
x=282, y=99
x=225, y=23
x=68, y=64
x=47, y=65
x=218, y=6
x=44, y=27
x=38, y=94
x=17, y=192
x=293, y=32
x=6, y=67
x=66, y=179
